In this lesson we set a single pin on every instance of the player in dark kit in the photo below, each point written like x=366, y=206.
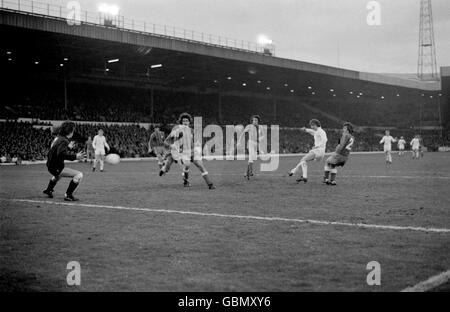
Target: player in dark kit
x=60, y=151
x=340, y=156
x=156, y=144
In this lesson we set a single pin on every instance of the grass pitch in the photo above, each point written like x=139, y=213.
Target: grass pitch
x=243, y=236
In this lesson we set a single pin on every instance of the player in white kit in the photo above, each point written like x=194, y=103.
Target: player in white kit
x=99, y=144
x=401, y=146
x=255, y=136
x=415, y=147
x=316, y=153
x=387, y=141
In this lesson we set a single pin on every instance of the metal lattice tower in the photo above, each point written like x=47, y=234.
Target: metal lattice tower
x=426, y=66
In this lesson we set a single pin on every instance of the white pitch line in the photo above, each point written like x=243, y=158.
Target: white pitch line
x=430, y=283
x=248, y=217
x=343, y=176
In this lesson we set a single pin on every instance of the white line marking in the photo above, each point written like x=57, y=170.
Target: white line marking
x=430, y=283
x=204, y=214
x=343, y=176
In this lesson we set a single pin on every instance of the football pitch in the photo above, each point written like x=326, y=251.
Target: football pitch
x=135, y=231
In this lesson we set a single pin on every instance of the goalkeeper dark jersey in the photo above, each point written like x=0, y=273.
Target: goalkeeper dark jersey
x=59, y=151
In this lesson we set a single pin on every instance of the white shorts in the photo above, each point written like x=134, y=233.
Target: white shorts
x=183, y=157
x=100, y=153
x=319, y=154
x=401, y=148
x=387, y=149
x=415, y=149
x=252, y=151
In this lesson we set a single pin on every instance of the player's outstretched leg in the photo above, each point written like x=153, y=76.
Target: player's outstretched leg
x=51, y=185
x=304, y=165
x=201, y=167
x=167, y=164
x=160, y=163
x=304, y=177
x=160, y=155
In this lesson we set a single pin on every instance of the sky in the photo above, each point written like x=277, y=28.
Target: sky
x=327, y=32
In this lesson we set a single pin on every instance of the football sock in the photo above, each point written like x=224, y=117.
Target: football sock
x=295, y=170
x=326, y=172
x=333, y=174
x=51, y=184
x=304, y=169
x=101, y=164
x=71, y=188
x=185, y=175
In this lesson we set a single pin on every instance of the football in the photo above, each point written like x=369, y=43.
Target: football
x=112, y=159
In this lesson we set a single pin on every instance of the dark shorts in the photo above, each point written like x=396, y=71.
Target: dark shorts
x=337, y=160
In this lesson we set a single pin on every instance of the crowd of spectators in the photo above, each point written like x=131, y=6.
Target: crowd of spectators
x=126, y=140
x=25, y=141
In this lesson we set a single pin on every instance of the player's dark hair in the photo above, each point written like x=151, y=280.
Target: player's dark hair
x=66, y=128
x=315, y=122
x=349, y=127
x=257, y=117
x=183, y=116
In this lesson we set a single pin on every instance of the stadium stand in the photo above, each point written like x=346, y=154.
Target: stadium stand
x=25, y=141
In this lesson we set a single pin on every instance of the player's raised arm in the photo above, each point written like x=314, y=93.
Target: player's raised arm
x=94, y=142
x=382, y=140
x=172, y=137
x=106, y=144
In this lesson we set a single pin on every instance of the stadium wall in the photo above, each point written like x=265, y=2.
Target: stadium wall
x=445, y=99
